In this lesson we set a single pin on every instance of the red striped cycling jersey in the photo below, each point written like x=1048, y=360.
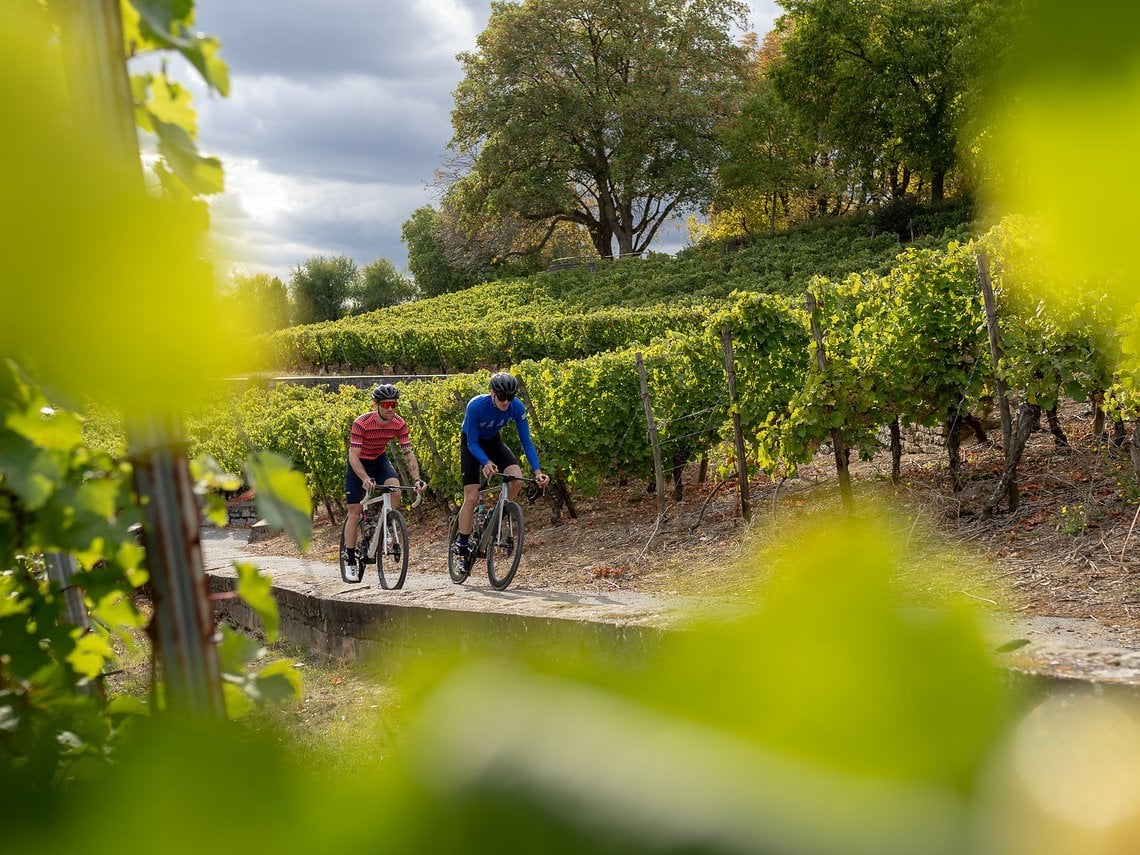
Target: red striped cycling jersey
x=371, y=435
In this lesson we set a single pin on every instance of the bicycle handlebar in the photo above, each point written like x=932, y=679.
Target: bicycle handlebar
x=506, y=477
x=487, y=488
x=379, y=489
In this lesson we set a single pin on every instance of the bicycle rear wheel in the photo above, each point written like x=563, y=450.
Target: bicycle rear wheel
x=505, y=548
x=455, y=568
x=392, y=560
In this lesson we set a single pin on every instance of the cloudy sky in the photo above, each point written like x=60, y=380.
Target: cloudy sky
x=338, y=117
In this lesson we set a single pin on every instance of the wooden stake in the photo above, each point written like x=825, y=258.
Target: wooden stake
x=836, y=435
x=560, y=489
x=737, y=432
x=658, y=470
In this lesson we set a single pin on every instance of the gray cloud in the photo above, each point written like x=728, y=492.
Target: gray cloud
x=307, y=38
x=358, y=128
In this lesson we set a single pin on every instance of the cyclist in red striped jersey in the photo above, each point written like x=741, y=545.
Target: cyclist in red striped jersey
x=368, y=462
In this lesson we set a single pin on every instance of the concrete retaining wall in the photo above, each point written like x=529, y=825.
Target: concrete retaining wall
x=352, y=629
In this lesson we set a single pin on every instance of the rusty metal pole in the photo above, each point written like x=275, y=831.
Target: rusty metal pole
x=95, y=64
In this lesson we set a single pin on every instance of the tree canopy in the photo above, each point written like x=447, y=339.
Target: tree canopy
x=429, y=259
x=878, y=80
x=321, y=287
x=596, y=113
x=261, y=300
x=381, y=285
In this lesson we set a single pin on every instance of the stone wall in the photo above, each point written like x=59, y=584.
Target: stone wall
x=352, y=629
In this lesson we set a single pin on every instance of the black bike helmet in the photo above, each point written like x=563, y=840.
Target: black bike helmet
x=504, y=385
x=385, y=392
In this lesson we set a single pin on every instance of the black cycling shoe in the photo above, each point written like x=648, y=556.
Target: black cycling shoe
x=464, y=557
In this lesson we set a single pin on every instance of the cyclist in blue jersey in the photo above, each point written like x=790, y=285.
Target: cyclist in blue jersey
x=483, y=452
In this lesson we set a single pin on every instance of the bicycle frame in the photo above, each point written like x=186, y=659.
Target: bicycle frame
x=381, y=494
x=495, y=517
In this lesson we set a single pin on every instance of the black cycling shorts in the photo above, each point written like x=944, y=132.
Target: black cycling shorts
x=494, y=448
x=379, y=469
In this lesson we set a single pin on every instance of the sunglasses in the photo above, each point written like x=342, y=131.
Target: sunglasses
x=506, y=399
x=387, y=405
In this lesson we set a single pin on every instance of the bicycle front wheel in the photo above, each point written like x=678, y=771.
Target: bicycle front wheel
x=455, y=568
x=392, y=562
x=505, y=548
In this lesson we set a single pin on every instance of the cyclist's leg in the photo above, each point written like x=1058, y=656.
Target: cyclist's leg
x=508, y=464
x=515, y=486
x=353, y=494
x=385, y=473
x=471, y=469
x=378, y=468
x=352, y=525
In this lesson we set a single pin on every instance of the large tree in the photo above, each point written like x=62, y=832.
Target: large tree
x=596, y=113
x=878, y=80
x=321, y=287
x=381, y=285
x=261, y=299
x=431, y=261
x=770, y=165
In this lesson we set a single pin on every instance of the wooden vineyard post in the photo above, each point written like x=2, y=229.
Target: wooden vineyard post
x=658, y=471
x=560, y=489
x=996, y=354
x=737, y=433
x=836, y=435
x=95, y=68
x=447, y=507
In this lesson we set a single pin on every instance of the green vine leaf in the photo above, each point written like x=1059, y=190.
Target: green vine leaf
x=256, y=591
x=282, y=496
x=166, y=24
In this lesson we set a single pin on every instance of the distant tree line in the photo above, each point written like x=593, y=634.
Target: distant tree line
x=580, y=127
x=320, y=289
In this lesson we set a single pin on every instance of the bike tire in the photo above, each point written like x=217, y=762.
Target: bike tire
x=455, y=568
x=392, y=561
x=505, y=548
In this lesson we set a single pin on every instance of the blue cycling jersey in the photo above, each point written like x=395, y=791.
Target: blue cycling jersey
x=483, y=420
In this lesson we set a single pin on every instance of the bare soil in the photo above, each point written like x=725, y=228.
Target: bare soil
x=1068, y=550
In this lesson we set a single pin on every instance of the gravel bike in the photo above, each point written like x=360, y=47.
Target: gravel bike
x=497, y=535
x=383, y=534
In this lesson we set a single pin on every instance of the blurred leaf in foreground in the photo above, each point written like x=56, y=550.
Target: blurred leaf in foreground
x=106, y=292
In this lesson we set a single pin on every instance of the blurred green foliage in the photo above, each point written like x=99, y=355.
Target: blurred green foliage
x=847, y=712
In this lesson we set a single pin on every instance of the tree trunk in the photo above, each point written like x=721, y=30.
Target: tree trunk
x=624, y=241
x=1059, y=437
x=680, y=458
x=1028, y=417
x=937, y=186
x=896, y=452
x=953, y=423
x=1134, y=451
x=602, y=237
x=977, y=427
